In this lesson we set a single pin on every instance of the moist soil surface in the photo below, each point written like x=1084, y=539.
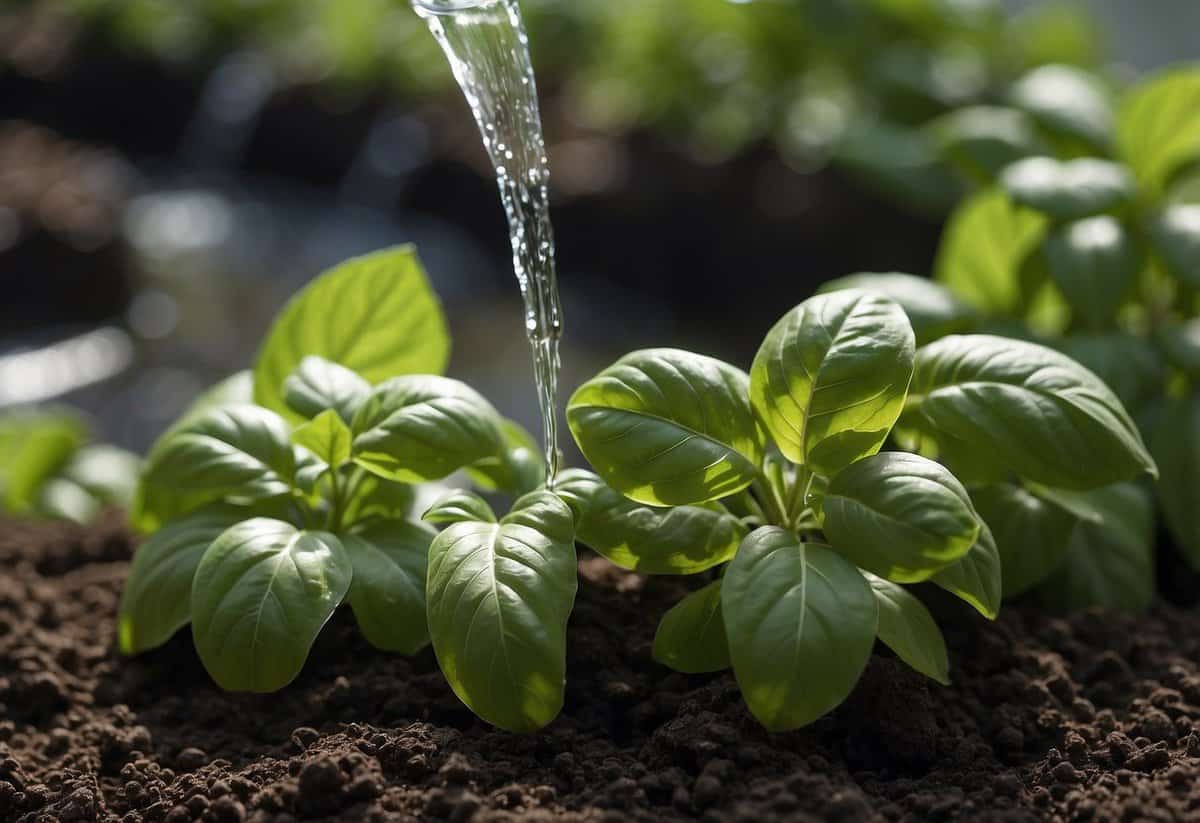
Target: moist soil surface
x=1095, y=716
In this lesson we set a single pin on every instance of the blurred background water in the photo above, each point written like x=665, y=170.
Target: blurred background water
x=172, y=170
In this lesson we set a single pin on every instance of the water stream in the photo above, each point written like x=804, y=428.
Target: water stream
x=488, y=50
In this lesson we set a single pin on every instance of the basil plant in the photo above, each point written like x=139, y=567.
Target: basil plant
x=773, y=486
x=290, y=490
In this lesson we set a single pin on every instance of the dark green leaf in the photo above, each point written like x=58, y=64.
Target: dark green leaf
x=801, y=621
x=830, y=378
x=1095, y=262
x=907, y=628
x=1176, y=443
x=1031, y=534
x=1129, y=365
x=932, y=309
x=260, y=596
x=374, y=497
x=318, y=384
x=977, y=578
x=458, y=506
x=376, y=315
x=1159, y=126
x=691, y=636
x=1066, y=101
x=668, y=427
x=1176, y=237
x=1071, y=190
x=900, y=516
x=1181, y=344
x=387, y=594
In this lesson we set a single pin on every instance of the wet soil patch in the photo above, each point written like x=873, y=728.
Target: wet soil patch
x=1091, y=717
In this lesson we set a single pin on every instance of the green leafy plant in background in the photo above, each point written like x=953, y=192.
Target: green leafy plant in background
x=1091, y=245
x=48, y=467
x=772, y=485
x=293, y=488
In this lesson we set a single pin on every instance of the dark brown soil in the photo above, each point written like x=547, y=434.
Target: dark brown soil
x=1095, y=717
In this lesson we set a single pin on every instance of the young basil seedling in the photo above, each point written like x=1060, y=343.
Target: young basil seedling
x=777, y=477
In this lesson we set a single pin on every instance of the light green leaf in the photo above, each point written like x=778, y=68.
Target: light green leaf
x=157, y=600
x=932, y=309
x=326, y=436
x=648, y=539
x=1129, y=365
x=1068, y=190
x=668, y=427
x=691, y=635
x=900, y=516
x=1068, y=102
x=984, y=246
x=801, y=621
x=830, y=378
x=519, y=470
x=981, y=140
x=421, y=427
x=66, y=500
x=1109, y=564
x=387, y=594
x=236, y=453
x=1039, y=412
x=376, y=315
x=499, y=595
x=457, y=506
x=106, y=472
x=977, y=578
x=1176, y=443
x=1031, y=534
x=1159, y=126
x=260, y=596
x=33, y=448
x=907, y=628
x=318, y=384
x=1175, y=234
x=1095, y=262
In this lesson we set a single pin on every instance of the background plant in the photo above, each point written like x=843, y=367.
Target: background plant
x=777, y=478
x=297, y=486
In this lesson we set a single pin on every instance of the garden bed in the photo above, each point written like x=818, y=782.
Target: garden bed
x=1096, y=716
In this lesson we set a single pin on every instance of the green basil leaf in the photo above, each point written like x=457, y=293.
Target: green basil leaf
x=801, y=621
x=106, y=472
x=518, y=470
x=1175, y=234
x=1176, y=443
x=1109, y=564
x=648, y=539
x=1129, y=365
x=976, y=579
x=1041, y=413
x=1068, y=191
x=421, y=427
x=326, y=436
x=33, y=448
x=981, y=140
x=907, y=628
x=988, y=275
x=373, y=497
x=376, y=315
x=1067, y=102
x=1095, y=262
x=900, y=516
x=236, y=453
x=691, y=635
x=1031, y=534
x=1159, y=126
x=668, y=427
x=387, y=594
x=458, y=506
x=66, y=500
x=261, y=594
x=830, y=378
x=932, y=309
x=318, y=384
x=499, y=595
x=157, y=600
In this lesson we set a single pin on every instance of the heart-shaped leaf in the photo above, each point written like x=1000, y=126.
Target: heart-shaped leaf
x=260, y=596
x=691, y=635
x=499, y=595
x=932, y=309
x=648, y=539
x=1039, y=412
x=1175, y=234
x=318, y=384
x=387, y=595
x=801, y=621
x=907, y=628
x=376, y=315
x=1176, y=442
x=157, y=600
x=1095, y=262
x=1071, y=190
x=1159, y=126
x=421, y=427
x=668, y=427
x=1067, y=102
x=900, y=516
x=829, y=380
x=976, y=579
x=326, y=436
x=1031, y=533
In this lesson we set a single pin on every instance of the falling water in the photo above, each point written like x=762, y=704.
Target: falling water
x=488, y=50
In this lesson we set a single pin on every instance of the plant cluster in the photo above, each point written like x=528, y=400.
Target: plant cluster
x=1084, y=235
